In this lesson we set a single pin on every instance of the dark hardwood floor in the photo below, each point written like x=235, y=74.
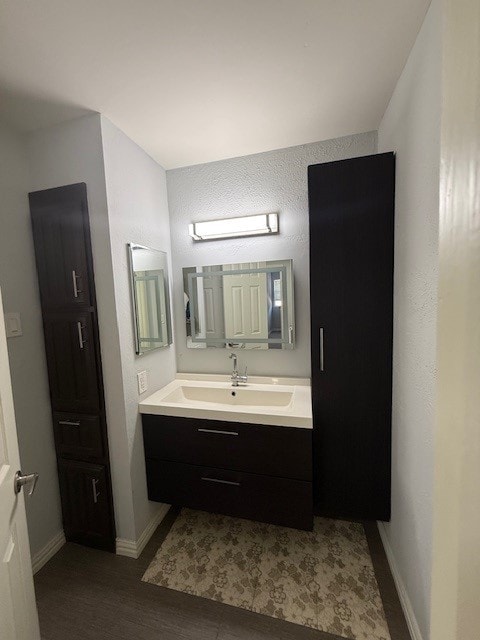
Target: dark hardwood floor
x=85, y=594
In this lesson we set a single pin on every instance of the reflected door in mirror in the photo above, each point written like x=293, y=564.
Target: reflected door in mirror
x=151, y=304
x=248, y=305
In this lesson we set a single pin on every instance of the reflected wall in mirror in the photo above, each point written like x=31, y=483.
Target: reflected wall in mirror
x=248, y=305
x=149, y=278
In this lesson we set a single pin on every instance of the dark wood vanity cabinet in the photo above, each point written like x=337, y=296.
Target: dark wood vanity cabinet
x=61, y=235
x=246, y=470
x=351, y=206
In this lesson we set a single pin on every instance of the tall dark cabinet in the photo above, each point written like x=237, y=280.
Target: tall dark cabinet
x=61, y=235
x=351, y=290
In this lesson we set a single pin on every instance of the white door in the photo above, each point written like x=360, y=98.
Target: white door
x=246, y=305
x=18, y=612
x=213, y=307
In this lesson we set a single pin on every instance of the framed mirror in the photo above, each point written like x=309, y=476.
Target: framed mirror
x=244, y=305
x=151, y=301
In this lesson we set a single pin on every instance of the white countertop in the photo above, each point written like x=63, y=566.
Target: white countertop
x=181, y=398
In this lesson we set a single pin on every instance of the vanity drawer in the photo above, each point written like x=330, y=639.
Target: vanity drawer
x=285, y=452
x=280, y=501
x=78, y=435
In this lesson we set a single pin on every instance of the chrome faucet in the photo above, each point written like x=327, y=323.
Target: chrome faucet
x=236, y=377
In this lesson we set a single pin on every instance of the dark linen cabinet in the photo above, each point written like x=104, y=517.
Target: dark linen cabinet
x=351, y=204
x=61, y=235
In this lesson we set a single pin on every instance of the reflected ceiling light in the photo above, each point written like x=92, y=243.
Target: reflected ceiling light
x=258, y=225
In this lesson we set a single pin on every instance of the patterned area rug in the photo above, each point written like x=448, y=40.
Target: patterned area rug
x=322, y=579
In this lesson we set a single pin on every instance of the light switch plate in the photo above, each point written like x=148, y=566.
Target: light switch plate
x=13, y=325
x=142, y=380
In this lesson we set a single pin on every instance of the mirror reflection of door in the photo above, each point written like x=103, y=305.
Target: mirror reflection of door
x=214, y=320
x=151, y=304
x=246, y=305
x=150, y=296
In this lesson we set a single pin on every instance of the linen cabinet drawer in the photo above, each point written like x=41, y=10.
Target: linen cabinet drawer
x=78, y=436
x=285, y=452
x=280, y=501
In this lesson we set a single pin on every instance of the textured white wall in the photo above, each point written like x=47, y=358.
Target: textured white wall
x=138, y=212
x=411, y=127
x=456, y=531
x=65, y=154
x=273, y=181
x=18, y=279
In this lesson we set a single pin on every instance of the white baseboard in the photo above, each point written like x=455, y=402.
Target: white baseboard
x=133, y=548
x=48, y=551
x=401, y=589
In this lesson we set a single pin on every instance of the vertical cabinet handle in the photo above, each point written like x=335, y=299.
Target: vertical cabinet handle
x=76, y=290
x=96, y=493
x=81, y=339
x=321, y=355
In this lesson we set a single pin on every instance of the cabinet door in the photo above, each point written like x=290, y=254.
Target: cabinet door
x=61, y=239
x=71, y=361
x=351, y=280
x=85, y=503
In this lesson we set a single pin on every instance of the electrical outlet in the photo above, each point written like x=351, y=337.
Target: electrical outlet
x=142, y=380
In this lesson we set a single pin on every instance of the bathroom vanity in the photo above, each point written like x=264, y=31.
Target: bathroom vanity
x=244, y=451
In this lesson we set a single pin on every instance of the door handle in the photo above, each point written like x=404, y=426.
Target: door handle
x=321, y=355
x=22, y=480
x=81, y=339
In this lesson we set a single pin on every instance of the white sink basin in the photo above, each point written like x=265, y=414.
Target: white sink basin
x=277, y=401
x=186, y=393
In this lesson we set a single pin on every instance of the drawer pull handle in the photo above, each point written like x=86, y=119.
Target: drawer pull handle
x=69, y=423
x=234, y=484
x=81, y=339
x=96, y=493
x=321, y=352
x=76, y=290
x=223, y=433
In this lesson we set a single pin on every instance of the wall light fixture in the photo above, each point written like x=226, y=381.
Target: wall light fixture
x=257, y=225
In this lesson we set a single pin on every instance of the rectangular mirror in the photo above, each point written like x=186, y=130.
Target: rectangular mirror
x=149, y=278
x=248, y=305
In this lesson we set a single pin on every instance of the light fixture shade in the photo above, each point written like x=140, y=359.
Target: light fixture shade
x=257, y=225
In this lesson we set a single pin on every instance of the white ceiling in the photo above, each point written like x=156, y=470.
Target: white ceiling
x=198, y=80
